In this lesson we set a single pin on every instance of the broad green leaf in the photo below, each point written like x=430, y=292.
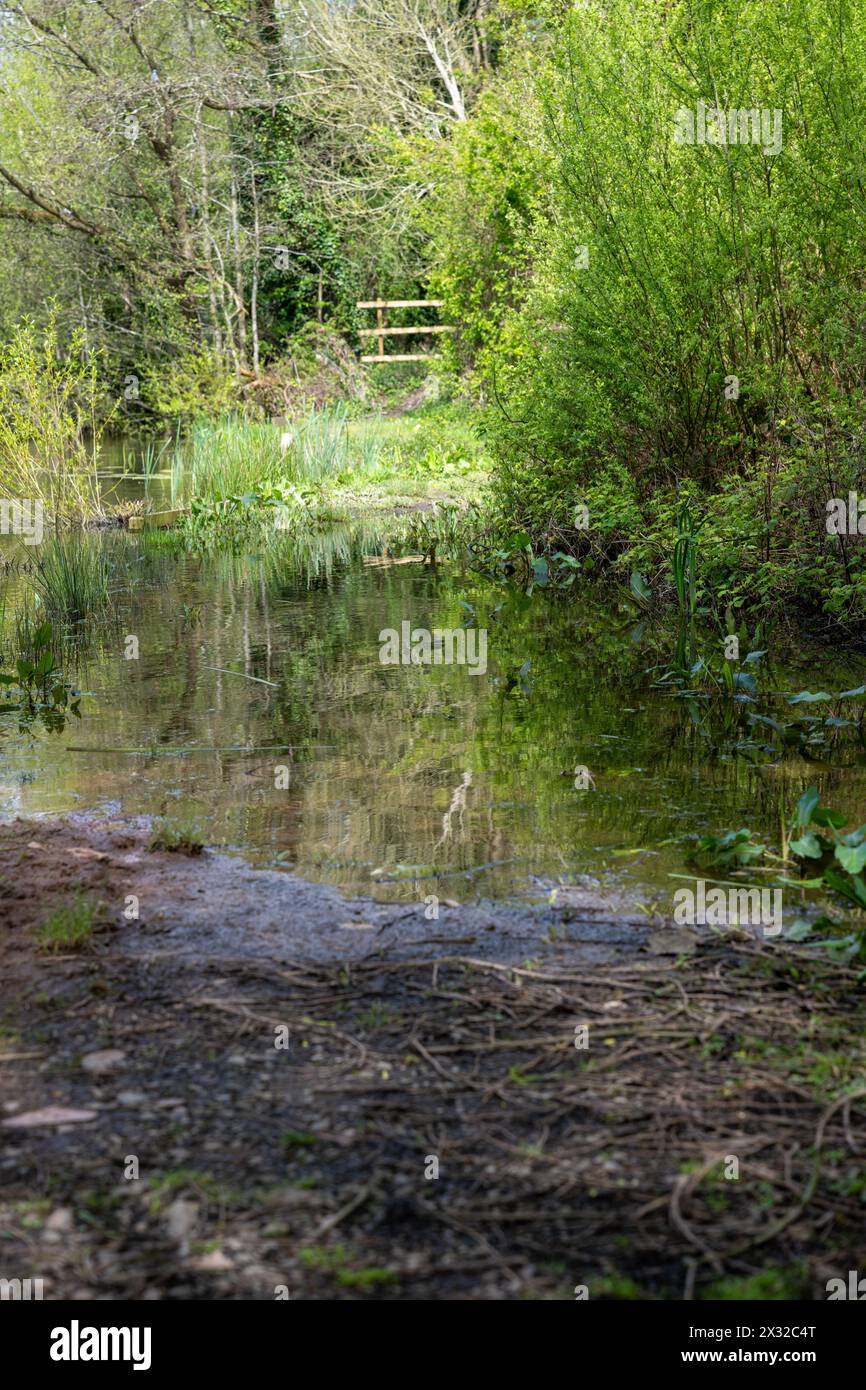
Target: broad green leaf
x=639, y=586
x=806, y=805
x=798, y=931
x=806, y=847
x=851, y=857
x=851, y=888
x=806, y=697
x=771, y=724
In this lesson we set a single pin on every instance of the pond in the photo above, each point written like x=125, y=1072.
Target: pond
x=258, y=710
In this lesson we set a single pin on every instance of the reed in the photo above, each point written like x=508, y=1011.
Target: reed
x=683, y=564
x=73, y=579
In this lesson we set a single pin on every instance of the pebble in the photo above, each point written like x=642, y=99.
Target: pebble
x=60, y=1220
x=100, y=1062
x=212, y=1262
x=132, y=1098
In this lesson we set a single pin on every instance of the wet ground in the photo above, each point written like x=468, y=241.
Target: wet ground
x=261, y=1089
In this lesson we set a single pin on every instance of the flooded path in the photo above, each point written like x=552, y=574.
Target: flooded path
x=428, y=938
x=257, y=711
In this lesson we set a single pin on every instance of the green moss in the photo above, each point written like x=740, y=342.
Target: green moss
x=339, y=1263
x=616, y=1286
x=770, y=1285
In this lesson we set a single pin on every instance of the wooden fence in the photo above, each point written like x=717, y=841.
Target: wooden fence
x=382, y=331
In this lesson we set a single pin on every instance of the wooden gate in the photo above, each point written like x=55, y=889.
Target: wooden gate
x=382, y=331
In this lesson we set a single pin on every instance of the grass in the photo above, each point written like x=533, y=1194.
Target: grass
x=234, y=457
x=226, y=458
x=321, y=451
x=437, y=446
x=302, y=1137
x=70, y=927
x=33, y=1214
x=19, y=640
x=377, y=1016
x=241, y=482
x=204, y=1185
x=176, y=837
x=328, y=449
x=238, y=480
x=617, y=1287
x=73, y=579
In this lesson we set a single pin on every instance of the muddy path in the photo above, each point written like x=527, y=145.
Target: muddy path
x=259, y=1088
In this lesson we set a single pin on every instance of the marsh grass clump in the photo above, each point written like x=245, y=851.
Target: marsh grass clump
x=176, y=837
x=227, y=458
x=73, y=579
x=239, y=478
x=79, y=575
x=239, y=475
x=69, y=927
x=237, y=458
x=321, y=450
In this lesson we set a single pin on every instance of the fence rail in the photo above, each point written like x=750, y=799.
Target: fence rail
x=382, y=331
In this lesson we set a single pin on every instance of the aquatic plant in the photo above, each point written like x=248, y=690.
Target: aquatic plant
x=37, y=685
x=318, y=447
x=176, y=837
x=73, y=578
x=228, y=458
x=683, y=565
x=825, y=858
x=446, y=531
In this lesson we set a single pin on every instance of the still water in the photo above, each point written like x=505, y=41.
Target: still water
x=400, y=780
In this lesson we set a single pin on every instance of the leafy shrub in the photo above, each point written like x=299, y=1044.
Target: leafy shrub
x=694, y=314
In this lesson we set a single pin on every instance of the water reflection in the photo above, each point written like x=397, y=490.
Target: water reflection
x=258, y=709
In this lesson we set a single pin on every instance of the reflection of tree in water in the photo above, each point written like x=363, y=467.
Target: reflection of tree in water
x=384, y=758
x=456, y=807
